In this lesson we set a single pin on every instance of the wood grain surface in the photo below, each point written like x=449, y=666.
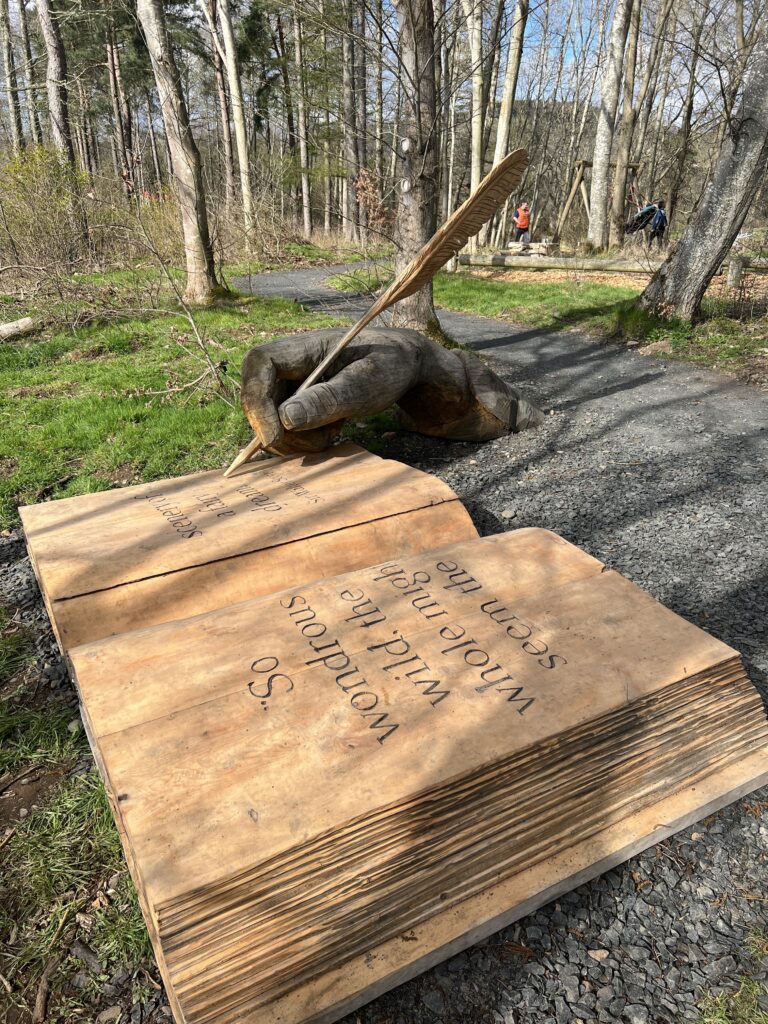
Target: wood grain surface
x=301, y=778
x=123, y=559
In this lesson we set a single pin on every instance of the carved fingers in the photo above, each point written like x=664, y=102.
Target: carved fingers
x=371, y=374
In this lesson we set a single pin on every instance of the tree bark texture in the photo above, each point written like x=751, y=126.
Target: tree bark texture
x=56, y=81
x=678, y=287
x=223, y=100
x=301, y=112
x=606, y=120
x=201, y=273
x=351, y=151
x=511, y=75
x=473, y=12
x=120, y=113
x=416, y=219
x=238, y=110
x=29, y=77
x=11, y=84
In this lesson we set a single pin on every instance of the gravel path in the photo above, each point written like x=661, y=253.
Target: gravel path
x=661, y=470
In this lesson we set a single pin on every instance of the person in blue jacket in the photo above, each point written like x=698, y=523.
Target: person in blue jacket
x=658, y=225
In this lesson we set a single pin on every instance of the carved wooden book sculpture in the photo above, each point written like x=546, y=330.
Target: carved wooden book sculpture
x=326, y=788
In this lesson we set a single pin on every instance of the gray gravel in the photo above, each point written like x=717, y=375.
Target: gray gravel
x=660, y=470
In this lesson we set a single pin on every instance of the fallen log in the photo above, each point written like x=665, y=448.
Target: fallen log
x=623, y=266
x=16, y=328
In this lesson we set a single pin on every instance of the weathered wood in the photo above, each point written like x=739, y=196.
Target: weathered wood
x=427, y=747
x=319, y=764
x=736, y=271
x=575, y=263
x=494, y=190
x=17, y=328
x=529, y=249
x=119, y=560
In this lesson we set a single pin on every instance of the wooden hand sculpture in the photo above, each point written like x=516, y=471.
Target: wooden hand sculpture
x=441, y=392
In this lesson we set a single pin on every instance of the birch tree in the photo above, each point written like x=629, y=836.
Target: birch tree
x=632, y=106
x=473, y=13
x=229, y=56
x=30, y=98
x=301, y=114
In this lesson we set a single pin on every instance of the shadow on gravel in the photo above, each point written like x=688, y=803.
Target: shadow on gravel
x=614, y=389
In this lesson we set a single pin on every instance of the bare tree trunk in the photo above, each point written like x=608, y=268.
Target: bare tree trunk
x=122, y=119
x=491, y=74
x=56, y=82
x=658, y=129
x=29, y=77
x=84, y=134
x=378, y=107
x=626, y=130
x=632, y=107
x=473, y=13
x=238, y=110
x=223, y=100
x=678, y=287
x=201, y=273
x=511, y=75
x=301, y=110
x=609, y=101
x=685, y=133
x=11, y=85
x=327, y=181
x=153, y=141
x=351, y=152
x=361, y=113
x=416, y=219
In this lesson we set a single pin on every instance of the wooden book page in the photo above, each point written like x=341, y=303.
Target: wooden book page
x=301, y=777
x=128, y=558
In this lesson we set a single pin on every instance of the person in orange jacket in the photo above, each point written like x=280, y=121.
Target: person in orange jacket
x=522, y=222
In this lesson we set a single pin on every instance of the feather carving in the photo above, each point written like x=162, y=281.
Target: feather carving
x=492, y=192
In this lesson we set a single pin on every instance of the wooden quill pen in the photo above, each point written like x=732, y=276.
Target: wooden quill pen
x=491, y=193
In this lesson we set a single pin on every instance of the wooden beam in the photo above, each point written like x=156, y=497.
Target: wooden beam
x=624, y=266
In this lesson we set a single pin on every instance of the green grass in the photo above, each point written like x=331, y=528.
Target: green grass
x=366, y=279
x=608, y=310
x=15, y=650
x=552, y=305
x=32, y=737
x=77, y=415
x=739, y=1007
x=56, y=870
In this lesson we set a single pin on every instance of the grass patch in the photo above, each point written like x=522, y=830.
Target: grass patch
x=56, y=871
x=365, y=279
x=76, y=413
x=609, y=310
x=553, y=305
x=740, y=1007
x=15, y=650
x=28, y=737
